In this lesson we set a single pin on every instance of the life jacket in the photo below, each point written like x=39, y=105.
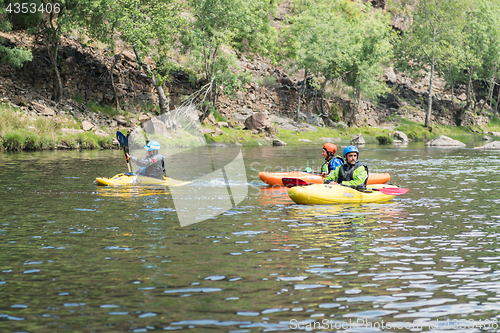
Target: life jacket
x=327, y=166
x=155, y=170
x=346, y=173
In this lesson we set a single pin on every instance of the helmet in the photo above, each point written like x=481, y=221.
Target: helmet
x=152, y=145
x=350, y=149
x=330, y=148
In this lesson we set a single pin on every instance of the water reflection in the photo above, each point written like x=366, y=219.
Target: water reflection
x=77, y=257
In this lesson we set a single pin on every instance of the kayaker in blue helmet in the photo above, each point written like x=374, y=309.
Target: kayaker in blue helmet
x=352, y=173
x=154, y=164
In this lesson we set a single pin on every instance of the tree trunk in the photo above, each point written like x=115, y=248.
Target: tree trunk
x=492, y=86
x=162, y=98
x=116, y=58
x=299, y=94
x=323, y=86
x=53, y=50
x=469, y=87
x=498, y=99
x=429, y=109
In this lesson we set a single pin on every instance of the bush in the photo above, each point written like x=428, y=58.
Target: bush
x=384, y=139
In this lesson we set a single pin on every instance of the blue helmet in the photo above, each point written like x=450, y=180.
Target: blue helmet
x=152, y=145
x=350, y=149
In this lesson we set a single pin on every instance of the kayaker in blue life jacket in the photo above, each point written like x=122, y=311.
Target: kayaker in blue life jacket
x=153, y=165
x=352, y=173
x=331, y=161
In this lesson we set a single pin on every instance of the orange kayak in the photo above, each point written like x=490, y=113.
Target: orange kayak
x=274, y=178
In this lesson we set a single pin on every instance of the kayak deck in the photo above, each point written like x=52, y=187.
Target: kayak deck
x=321, y=194
x=130, y=179
x=275, y=178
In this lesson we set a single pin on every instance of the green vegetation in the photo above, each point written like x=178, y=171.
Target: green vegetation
x=21, y=132
x=106, y=109
x=384, y=139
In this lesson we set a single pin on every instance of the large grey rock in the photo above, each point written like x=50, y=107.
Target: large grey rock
x=358, y=139
x=155, y=126
x=43, y=109
x=283, y=123
x=260, y=122
x=279, y=143
x=495, y=145
x=398, y=135
x=87, y=125
x=444, y=141
x=120, y=120
x=312, y=119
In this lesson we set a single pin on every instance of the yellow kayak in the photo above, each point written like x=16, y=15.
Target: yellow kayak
x=324, y=194
x=129, y=179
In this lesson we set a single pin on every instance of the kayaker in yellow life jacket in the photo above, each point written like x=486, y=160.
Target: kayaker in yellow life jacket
x=352, y=173
x=331, y=161
x=153, y=165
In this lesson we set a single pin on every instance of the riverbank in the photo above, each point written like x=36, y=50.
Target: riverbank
x=22, y=132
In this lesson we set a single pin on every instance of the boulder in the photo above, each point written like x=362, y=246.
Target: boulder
x=207, y=130
x=495, y=145
x=358, y=140
x=487, y=138
x=312, y=119
x=143, y=118
x=444, y=141
x=398, y=135
x=305, y=140
x=155, y=126
x=260, y=122
x=279, y=143
x=87, y=125
x=120, y=120
x=43, y=109
x=217, y=132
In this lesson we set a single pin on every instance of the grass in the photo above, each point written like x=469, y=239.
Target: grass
x=105, y=109
x=21, y=132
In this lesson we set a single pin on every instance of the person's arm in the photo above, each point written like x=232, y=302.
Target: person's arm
x=143, y=163
x=358, y=177
x=333, y=176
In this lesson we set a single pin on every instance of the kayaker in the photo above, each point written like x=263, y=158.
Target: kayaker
x=331, y=161
x=352, y=172
x=153, y=165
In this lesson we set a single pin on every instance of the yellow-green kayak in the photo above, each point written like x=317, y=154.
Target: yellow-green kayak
x=129, y=179
x=323, y=194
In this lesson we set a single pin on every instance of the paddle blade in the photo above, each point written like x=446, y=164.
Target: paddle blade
x=291, y=182
x=393, y=190
x=122, y=139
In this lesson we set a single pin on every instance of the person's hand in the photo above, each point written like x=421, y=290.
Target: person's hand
x=127, y=157
x=324, y=174
x=328, y=181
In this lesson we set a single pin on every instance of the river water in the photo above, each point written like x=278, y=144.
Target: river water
x=75, y=257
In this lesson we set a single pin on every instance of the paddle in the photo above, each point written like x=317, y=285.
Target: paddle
x=291, y=182
x=122, y=139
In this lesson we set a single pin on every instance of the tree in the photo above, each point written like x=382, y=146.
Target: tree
x=151, y=28
x=15, y=56
x=216, y=27
x=339, y=39
x=435, y=25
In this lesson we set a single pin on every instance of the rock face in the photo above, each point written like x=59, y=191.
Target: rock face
x=495, y=145
x=260, y=122
x=398, y=135
x=444, y=141
x=358, y=140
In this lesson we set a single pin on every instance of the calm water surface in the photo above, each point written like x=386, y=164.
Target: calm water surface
x=78, y=258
